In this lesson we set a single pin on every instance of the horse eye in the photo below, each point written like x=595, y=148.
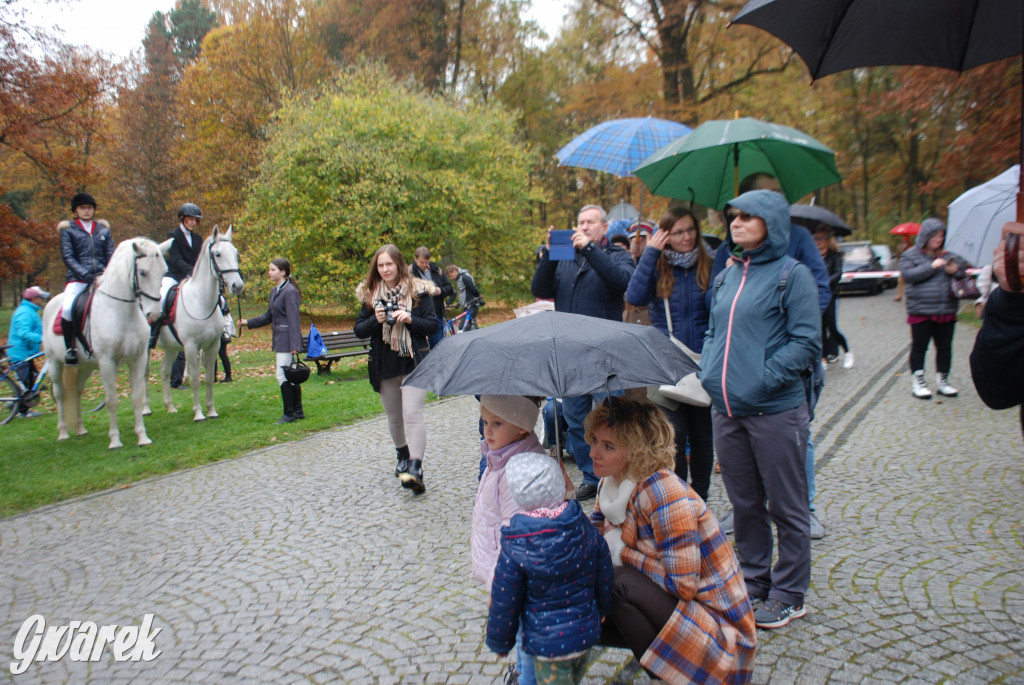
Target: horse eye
x=142, y=272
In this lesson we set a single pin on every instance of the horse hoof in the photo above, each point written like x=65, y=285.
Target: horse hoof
x=115, y=446
x=82, y=432
x=145, y=442
x=147, y=412
x=199, y=420
x=63, y=436
x=213, y=416
x=172, y=410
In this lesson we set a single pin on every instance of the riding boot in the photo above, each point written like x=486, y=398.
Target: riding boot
x=414, y=478
x=297, y=389
x=288, y=400
x=154, y=334
x=403, y=461
x=71, y=358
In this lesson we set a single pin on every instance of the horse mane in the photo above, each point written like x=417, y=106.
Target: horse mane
x=120, y=265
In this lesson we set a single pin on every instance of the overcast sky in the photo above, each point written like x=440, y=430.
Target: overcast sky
x=117, y=26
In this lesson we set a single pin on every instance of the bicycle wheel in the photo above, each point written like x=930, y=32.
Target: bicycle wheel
x=10, y=398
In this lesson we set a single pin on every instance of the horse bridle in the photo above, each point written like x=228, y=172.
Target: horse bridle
x=136, y=290
x=219, y=273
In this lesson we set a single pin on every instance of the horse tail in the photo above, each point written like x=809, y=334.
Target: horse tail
x=72, y=400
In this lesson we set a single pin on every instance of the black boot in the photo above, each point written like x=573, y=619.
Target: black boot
x=403, y=461
x=414, y=478
x=154, y=334
x=71, y=358
x=297, y=389
x=288, y=400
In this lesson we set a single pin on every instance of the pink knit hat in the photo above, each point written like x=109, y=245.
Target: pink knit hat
x=520, y=411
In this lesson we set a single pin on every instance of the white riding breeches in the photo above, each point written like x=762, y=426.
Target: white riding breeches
x=71, y=291
x=166, y=283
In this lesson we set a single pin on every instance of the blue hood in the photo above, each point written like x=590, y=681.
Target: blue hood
x=773, y=208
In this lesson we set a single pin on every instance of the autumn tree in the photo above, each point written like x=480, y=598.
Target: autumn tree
x=366, y=161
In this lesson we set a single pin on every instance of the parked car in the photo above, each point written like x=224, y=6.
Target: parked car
x=889, y=262
x=858, y=257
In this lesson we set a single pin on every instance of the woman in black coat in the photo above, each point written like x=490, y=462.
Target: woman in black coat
x=283, y=312
x=398, y=316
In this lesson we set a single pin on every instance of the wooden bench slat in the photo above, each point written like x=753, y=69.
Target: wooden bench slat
x=339, y=344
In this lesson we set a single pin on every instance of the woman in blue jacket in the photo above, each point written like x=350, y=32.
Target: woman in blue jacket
x=674, y=272
x=764, y=331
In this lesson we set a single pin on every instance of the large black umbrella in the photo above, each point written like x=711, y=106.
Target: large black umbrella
x=835, y=35
x=810, y=215
x=551, y=354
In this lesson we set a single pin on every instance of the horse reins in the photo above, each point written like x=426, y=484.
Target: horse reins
x=219, y=273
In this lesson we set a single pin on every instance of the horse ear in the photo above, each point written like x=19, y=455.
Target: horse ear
x=227, y=233
x=166, y=245
x=135, y=246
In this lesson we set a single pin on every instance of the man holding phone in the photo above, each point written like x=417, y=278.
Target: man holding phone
x=997, y=362
x=593, y=283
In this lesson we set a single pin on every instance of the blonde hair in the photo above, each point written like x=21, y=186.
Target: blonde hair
x=640, y=427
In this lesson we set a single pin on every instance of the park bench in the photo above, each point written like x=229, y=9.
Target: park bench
x=339, y=344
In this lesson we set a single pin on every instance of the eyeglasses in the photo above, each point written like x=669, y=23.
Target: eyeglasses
x=680, y=233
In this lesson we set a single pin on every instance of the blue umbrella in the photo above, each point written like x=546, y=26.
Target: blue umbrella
x=620, y=145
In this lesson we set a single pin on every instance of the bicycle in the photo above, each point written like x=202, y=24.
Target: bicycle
x=464, y=321
x=13, y=392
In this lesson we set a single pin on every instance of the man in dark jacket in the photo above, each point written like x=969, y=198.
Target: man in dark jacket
x=86, y=247
x=593, y=283
x=427, y=270
x=181, y=259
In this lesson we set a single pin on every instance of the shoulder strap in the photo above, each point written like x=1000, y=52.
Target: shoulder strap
x=787, y=269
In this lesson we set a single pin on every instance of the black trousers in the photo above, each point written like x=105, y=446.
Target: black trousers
x=640, y=609
x=27, y=375
x=223, y=354
x=693, y=424
x=831, y=337
x=942, y=334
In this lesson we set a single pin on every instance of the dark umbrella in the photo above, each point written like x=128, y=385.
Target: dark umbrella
x=551, y=354
x=810, y=215
x=835, y=35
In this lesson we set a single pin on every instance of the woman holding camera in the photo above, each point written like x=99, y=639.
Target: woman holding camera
x=283, y=312
x=397, y=316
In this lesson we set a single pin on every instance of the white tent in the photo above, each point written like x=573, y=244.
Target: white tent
x=976, y=218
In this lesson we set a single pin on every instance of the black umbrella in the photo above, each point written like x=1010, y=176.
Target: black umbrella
x=810, y=215
x=551, y=354
x=835, y=35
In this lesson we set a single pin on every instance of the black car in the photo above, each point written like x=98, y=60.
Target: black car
x=859, y=257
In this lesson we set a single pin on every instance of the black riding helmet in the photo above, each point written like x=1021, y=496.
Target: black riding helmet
x=189, y=209
x=82, y=199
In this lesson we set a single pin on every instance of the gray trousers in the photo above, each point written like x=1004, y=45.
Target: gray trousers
x=404, y=408
x=763, y=468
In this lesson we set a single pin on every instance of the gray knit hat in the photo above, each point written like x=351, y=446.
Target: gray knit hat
x=520, y=411
x=535, y=481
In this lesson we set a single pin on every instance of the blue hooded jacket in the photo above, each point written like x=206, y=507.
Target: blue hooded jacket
x=761, y=339
x=555, y=574
x=26, y=331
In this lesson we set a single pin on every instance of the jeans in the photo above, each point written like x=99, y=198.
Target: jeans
x=576, y=410
x=809, y=466
x=524, y=662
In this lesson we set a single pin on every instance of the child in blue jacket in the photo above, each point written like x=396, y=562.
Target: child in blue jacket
x=554, y=572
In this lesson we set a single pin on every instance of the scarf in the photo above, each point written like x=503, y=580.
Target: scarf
x=683, y=260
x=396, y=337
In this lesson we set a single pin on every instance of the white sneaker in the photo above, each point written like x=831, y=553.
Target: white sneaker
x=848, y=360
x=943, y=386
x=919, y=389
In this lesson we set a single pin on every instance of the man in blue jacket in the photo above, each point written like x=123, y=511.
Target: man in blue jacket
x=25, y=338
x=802, y=248
x=593, y=283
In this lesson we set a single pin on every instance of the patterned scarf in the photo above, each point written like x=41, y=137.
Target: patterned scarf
x=397, y=337
x=683, y=260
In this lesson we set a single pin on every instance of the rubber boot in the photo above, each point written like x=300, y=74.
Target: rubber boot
x=943, y=386
x=71, y=358
x=297, y=389
x=414, y=478
x=403, y=461
x=920, y=389
x=288, y=400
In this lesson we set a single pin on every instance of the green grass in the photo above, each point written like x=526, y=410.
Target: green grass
x=36, y=469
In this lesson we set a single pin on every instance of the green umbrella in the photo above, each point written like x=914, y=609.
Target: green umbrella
x=706, y=166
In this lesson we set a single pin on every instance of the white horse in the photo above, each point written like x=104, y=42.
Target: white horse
x=126, y=298
x=198, y=320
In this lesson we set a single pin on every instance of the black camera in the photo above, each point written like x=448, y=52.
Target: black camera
x=389, y=311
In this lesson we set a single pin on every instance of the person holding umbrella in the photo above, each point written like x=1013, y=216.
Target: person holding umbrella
x=593, y=283
x=398, y=316
x=760, y=411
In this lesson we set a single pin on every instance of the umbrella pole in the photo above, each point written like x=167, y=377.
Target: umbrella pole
x=735, y=170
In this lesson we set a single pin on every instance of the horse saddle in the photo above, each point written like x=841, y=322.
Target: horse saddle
x=170, y=311
x=80, y=308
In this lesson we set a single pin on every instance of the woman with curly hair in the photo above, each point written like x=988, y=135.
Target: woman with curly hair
x=678, y=599
x=397, y=316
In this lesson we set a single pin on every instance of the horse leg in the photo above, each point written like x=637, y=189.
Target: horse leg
x=165, y=380
x=79, y=379
x=192, y=364
x=210, y=357
x=108, y=372
x=57, y=377
x=146, y=411
x=138, y=372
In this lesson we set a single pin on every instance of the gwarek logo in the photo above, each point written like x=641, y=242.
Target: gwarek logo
x=82, y=641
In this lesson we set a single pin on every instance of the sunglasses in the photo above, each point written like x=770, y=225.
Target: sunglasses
x=734, y=214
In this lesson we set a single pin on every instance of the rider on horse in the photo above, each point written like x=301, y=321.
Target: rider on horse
x=86, y=247
x=181, y=259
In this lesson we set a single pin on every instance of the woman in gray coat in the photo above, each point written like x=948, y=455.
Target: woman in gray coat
x=928, y=270
x=283, y=312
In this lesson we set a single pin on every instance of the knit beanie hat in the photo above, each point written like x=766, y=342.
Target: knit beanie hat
x=520, y=411
x=535, y=481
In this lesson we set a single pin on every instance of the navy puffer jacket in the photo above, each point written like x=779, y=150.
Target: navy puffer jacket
x=85, y=254
x=557, y=575
x=688, y=304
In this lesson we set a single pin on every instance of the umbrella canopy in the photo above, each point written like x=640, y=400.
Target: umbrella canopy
x=909, y=228
x=705, y=166
x=620, y=145
x=976, y=218
x=810, y=215
x=551, y=354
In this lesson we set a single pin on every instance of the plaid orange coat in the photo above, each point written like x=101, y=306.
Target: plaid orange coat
x=673, y=538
